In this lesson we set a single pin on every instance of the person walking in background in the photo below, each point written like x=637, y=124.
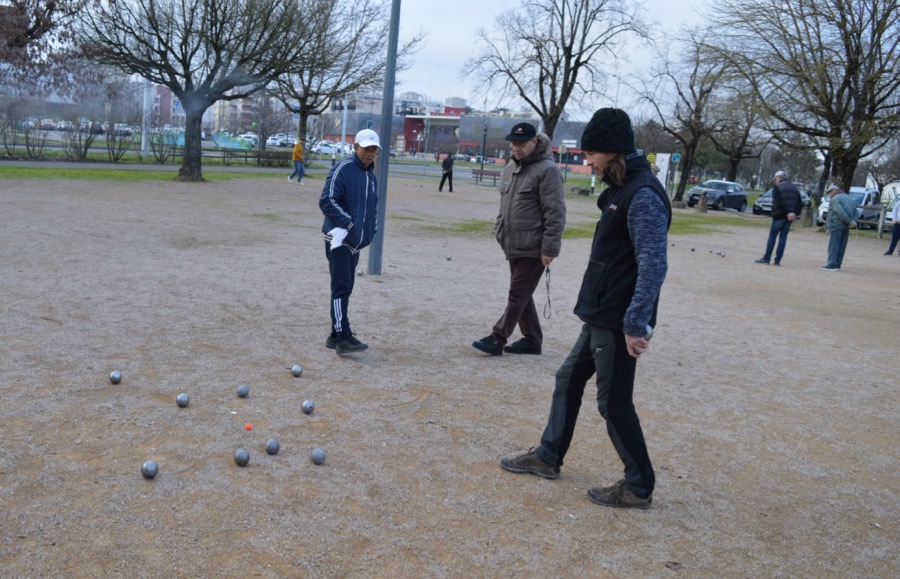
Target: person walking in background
x=297, y=157
x=529, y=229
x=447, y=172
x=349, y=202
x=840, y=220
x=617, y=305
x=895, y=237
x=786, y=208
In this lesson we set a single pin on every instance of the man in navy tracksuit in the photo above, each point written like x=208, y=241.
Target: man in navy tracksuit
x=617, y=305
x=350, y=204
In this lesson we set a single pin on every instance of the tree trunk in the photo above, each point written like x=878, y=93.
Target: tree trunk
x=690, y=151
x=191, y=162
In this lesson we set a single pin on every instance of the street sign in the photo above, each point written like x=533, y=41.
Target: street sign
x=676, y=157
x=569, y=143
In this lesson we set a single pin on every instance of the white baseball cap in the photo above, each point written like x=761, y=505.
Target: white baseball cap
x=367, y=138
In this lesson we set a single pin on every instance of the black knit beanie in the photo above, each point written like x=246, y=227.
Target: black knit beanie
x=609, y=131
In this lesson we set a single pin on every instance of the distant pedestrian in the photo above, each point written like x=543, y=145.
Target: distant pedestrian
x=895, y=217
x=297, y=156
x=447, y=167
x=840, y=220
x=786, y=208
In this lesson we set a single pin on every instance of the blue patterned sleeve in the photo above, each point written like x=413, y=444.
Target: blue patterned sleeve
x=648, y=225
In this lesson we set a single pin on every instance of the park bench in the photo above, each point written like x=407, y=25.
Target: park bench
x=480, y=174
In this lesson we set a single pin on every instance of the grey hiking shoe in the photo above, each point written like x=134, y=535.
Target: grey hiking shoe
x=618, y=495
x=530, y=463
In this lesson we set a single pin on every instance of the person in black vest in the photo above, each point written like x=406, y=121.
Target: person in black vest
x=447, y=167
x=617, y=302
x=786, y=207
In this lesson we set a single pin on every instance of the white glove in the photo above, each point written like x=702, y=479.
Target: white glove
x=337, y=236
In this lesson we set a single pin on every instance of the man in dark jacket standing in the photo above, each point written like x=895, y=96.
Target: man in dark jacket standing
x=349, y=202
x=786, y=208
x=617, y=303
x=447, y=170
x=529, y=229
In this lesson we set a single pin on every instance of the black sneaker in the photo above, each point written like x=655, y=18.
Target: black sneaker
x=522, y=346
x=530, y=463
x=618, y=495
x=762, y=260
x=489, y=345
x=331, y=341
x=349, y=344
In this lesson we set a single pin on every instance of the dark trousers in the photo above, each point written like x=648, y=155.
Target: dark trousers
x=837, y=245
x=342, y=266
x=780, y=228
x=448, y=176
x=524, y=276
x=894, y=238
x=601, y=352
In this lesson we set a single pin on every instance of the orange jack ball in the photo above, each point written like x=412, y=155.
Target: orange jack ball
x=249, y=426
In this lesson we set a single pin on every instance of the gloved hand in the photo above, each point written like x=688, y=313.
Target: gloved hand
x=338, y=234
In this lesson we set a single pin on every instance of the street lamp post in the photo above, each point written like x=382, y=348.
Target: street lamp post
x=484, y=137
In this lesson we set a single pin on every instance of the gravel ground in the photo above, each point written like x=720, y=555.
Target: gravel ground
x=769, y=398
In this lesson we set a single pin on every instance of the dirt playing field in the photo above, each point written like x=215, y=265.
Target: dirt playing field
x=769, y=398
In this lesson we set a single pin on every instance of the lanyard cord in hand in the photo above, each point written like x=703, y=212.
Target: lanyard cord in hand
x=548, y=309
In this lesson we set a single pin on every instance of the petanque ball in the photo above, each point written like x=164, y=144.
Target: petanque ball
x=115, y=376
x=317, y=456
x=449, y=257
x=149, y=469
x=360, y=272
x=182, y=400
x=308, y=407
x=241, y=457
x=273, y=446
x=296, y=370
x=243, y=391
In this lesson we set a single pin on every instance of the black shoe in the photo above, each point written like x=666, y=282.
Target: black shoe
x=762, y=260
x=887, y=252
x=776, y=263
x=489, y=345
x=331, y=341
x=522, y=346
x=349, y=344
x=530, y=463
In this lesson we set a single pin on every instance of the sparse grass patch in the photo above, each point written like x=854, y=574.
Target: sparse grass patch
x=688, y=222
x=480, y=226
x=97, y=174
x=406, y=218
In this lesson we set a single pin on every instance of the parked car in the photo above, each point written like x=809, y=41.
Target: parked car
x=276, y=141
x=860, y=196
x=251, y=138
x=460, y=157
x=326, y=148
x=719, y=195
x=763, y=204
x=888, y=221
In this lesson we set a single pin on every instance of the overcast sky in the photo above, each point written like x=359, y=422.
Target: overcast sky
x=451, y=26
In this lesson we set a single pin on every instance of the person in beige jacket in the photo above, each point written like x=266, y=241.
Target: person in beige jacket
x=529, y=229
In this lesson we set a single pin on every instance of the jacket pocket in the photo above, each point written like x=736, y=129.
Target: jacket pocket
x=527, y=234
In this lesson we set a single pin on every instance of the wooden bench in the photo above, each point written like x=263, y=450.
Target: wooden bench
x=480, y=174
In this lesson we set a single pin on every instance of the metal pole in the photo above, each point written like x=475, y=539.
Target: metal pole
x=387, y=117
x=484, y=138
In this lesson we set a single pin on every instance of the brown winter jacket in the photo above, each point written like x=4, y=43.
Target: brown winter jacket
x=532, y=207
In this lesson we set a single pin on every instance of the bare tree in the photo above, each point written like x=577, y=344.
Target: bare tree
x=346, y=55
x=825, y=70
x=35, y=44
x=203, y=50
x=680, y=92
x=548, y=52
x=738, y=131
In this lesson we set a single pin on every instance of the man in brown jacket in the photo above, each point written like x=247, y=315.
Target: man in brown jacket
x=529, y=229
